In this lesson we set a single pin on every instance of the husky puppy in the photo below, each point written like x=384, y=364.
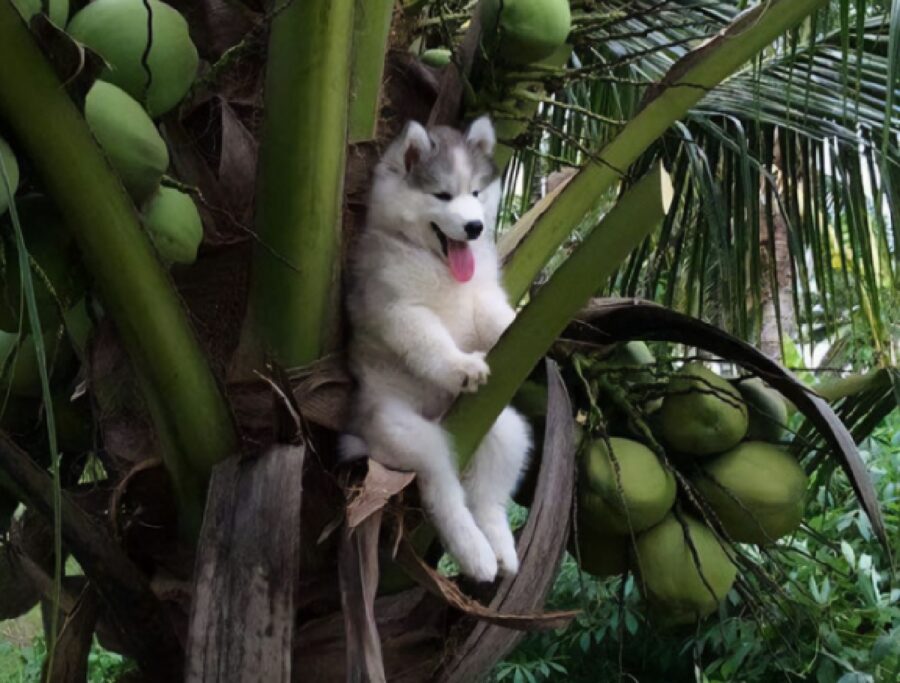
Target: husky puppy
x=426, y=304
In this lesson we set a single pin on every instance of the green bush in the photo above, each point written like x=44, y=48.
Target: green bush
x=23, y=664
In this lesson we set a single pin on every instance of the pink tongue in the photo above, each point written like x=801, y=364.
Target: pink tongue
x=462, y=261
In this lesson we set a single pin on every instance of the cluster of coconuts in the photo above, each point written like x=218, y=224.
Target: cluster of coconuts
x=722, y=441
x=132, y=91
x=519, y=33
x=118, y=109
x=515, y=34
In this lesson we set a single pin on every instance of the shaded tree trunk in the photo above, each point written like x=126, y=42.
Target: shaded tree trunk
x=775, y=267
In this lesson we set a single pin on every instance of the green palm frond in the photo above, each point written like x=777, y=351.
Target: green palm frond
x=824, y=96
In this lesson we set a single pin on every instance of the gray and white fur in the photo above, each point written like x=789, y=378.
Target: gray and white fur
x=422, y=321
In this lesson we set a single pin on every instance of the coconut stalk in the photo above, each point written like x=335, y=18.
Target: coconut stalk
x=526, y=341
x=372, y=26
x=293, y=289
x=413, y=6
x=686, y=83
x=188, y=409
x=835, y=389
x=522, y=105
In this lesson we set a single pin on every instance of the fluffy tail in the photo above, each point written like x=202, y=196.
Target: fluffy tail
x=351, y=447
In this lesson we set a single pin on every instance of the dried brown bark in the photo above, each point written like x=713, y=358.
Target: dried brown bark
x=243, y=610
x=541, y=545
x=358, y=569
x=70, y=660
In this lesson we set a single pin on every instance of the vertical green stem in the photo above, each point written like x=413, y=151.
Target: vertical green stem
x=525, y=108
x=372, y=26
x=190, y=412
x=34, y=320
x=295, y=274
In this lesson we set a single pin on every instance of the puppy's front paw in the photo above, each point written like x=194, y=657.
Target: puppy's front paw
x=473, y=370
x=478, y=560
x=496, y=529
x=508, y=559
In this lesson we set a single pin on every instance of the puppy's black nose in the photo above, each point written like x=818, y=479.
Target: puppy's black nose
x=473, y=229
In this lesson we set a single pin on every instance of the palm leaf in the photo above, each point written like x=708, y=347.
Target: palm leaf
x=825, y=91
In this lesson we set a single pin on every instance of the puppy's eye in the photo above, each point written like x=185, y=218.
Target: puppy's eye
x=475, y=193
x=443, y=196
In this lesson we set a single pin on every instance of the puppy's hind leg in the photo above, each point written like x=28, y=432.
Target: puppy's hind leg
x=491, y=478
x=401, y=438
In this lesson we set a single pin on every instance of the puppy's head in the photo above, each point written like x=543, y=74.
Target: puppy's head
x=440, y=188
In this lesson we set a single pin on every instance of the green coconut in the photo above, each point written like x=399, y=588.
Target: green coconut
x=602, y=555
x=20, y=415
x=768, y=411
x=117, y=31
x=58, y=276
x=599, y=554
x=8, y=507
x=19, y=370
x=531, y=399
x=437, y=57
x=79, y=327
x=128, y=137
x=682, y=589
x=525, y=31
x=646, y=494
x=174, y=225
x=635, y=354
x=756, y=490
x=702, y=413
x=12, y=175
x=24, y=416
x=631, y=354
x=74, y=423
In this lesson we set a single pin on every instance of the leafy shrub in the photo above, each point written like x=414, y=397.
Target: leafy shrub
x=23, y=664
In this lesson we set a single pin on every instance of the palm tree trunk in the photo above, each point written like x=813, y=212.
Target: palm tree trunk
x=777, y=303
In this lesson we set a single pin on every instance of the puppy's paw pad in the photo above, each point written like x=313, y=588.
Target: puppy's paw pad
x=474, y=369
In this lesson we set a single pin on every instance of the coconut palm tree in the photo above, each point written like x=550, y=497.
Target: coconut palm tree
x=780, y=146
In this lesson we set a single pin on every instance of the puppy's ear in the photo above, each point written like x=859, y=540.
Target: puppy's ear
x=481, y=135
x=414, y=144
